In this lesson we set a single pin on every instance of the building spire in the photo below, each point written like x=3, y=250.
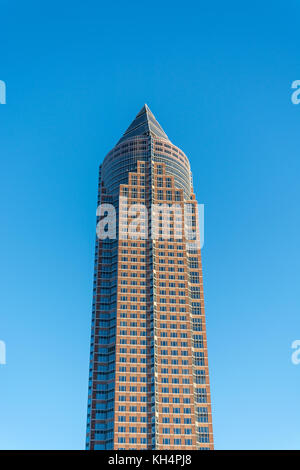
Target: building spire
x=144, y=124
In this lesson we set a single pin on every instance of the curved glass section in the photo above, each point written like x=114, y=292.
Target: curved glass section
x=123, y=159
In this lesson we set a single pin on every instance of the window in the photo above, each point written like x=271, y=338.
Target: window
x=202, y=414
x=203, y=434
x=201, y=395
x=132, y=419
x=132, y=429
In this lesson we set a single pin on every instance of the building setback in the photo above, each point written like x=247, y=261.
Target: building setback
x=148, y=374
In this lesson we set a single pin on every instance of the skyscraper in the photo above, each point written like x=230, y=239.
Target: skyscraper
x=148, y=377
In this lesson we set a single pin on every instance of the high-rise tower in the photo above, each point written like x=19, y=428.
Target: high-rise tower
x=148, y=377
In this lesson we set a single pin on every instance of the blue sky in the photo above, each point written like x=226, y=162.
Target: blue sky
x=218, y=79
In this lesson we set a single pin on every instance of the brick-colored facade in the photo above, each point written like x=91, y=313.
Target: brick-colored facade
x=149, y=382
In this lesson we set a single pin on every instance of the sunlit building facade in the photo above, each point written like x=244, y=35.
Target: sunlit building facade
x=148, y=374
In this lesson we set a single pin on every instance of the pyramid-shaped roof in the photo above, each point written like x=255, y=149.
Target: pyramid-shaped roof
x=144, y=124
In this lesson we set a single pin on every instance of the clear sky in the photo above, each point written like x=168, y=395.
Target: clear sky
x=217, y=76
